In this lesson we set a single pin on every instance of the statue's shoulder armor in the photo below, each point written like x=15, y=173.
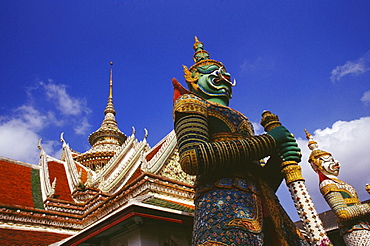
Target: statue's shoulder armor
x=346, y=190
x=189, y=103
x=328, y=186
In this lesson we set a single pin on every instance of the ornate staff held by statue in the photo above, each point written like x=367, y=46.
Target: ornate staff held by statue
x=298, y=190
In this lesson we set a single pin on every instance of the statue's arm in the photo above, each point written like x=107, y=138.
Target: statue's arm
x=198, y=155
x=272, y=172
x=339, y=206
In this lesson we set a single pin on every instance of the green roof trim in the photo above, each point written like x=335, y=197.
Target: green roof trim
x=36, y=189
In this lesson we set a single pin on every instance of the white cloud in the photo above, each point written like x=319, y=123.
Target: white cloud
x=21, y=130
x=30, y=118
x=19, y=135
x=349, y=142
x=357, y=67
x=73, y=110
x=258, y=129
x=366, y=98
x=259, y=66
x=83, y=127
x=65, y=103
x=18, y=142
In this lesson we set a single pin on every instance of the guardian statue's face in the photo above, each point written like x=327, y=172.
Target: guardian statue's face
x=214, y=84
x=329, y=165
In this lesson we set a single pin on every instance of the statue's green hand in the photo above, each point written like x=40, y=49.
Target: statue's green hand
x=281, y=135
x=286, y=144
x=293, y=154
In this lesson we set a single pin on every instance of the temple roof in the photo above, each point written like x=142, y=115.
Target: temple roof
x=57, y=198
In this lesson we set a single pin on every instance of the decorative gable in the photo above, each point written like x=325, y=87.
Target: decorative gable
x=163, y=160
x=57, y=176
x=172, y=169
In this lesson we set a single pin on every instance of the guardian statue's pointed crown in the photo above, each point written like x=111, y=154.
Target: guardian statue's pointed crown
x=201, y=58
x=316, y=153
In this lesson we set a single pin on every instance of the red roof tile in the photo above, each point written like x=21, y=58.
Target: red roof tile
x=15, y=184
x=20, y=237
x=57, y=170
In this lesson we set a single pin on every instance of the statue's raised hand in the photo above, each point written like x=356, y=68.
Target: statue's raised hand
x=286, y=144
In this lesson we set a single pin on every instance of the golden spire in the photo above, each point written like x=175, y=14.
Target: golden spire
x=111, y=81
x=106, y=140
x=110, y=107
x=109, y=125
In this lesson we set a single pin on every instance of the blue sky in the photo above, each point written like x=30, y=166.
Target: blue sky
x=306, y=61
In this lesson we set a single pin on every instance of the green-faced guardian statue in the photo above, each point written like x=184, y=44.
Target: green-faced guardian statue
x=235, y=202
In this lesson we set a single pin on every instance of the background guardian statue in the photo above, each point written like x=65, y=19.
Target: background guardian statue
x=353, y=217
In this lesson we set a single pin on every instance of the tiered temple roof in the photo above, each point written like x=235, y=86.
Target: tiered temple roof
x=59, y=198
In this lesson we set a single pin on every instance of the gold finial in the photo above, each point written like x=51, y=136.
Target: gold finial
x=198, y=47
x=201, y=57
x=269, y=120
x=308, y=135
x=312, y=144
x=111, y=81
x=110, y=107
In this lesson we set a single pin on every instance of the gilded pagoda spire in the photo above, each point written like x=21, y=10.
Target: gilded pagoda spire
x=109, y=128
x=110, y=107
x=106, y=139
